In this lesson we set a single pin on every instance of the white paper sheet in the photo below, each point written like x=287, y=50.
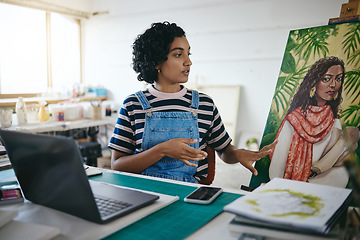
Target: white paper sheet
x=292, y=203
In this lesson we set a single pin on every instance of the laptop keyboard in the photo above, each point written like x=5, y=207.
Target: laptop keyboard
x=109, y=206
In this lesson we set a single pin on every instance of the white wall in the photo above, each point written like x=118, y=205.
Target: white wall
x=233, y=42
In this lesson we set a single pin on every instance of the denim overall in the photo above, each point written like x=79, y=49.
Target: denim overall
x=163, y=126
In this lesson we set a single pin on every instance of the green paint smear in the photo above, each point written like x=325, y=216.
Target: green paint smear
x=257, y=210
x=252, y=202
x=311, y=201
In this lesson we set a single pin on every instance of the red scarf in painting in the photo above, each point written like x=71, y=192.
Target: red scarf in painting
x=307, y=131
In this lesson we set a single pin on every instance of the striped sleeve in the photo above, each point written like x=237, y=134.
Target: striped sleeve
x=212, y=132
x=211, y=124
x=124, y=136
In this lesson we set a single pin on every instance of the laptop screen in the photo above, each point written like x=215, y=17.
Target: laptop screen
x=50, y=172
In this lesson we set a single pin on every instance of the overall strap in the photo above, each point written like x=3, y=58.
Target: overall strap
x=195, y=99
x=143, y=100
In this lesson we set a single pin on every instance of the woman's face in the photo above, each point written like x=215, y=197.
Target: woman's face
x=176, y=68
x=329, y=84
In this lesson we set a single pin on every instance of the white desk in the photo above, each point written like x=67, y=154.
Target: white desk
x=74, y=228
x=54, y=126
x=70, y=226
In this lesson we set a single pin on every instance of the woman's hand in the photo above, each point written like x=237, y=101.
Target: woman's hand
x=179, y=149
x=246, y=157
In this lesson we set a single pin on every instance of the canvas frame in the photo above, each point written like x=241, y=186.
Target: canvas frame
x=303, y=48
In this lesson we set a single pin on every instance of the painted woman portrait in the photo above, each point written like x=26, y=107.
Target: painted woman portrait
x=307, y=148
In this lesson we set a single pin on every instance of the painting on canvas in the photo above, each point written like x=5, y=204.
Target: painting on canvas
x=315, y=112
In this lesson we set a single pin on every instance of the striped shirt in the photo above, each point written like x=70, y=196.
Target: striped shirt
x=127, y=135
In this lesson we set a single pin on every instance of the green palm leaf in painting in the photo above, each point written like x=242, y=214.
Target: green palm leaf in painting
x=352, y=84
x=313, y=41
x=290, y=79
x=354, y=58
x=351, y=115
x=351, y=39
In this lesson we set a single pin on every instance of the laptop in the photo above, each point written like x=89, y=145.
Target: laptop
x=50, y=172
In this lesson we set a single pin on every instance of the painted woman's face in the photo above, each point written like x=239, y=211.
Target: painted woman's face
x=328, y=86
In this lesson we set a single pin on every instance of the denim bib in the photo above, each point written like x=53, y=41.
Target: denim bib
x=163, y=126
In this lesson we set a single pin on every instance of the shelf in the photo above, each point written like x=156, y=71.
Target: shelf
x=11, y=102
x=55, y=126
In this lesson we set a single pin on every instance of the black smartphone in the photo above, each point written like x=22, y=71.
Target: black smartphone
x=203, y=195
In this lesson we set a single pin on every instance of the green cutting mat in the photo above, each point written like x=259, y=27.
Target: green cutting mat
x=176, y=221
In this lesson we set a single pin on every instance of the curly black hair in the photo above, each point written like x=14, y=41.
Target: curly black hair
x=315, y=73
x=151, y=49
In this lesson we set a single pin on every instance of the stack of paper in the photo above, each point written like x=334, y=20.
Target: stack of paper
x=287, y=205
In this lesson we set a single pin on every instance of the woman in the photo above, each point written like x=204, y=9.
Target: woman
x=163, y=131
x=311, y=127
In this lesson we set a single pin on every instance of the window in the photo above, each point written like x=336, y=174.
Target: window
x=34, y=60
x=65, y=52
